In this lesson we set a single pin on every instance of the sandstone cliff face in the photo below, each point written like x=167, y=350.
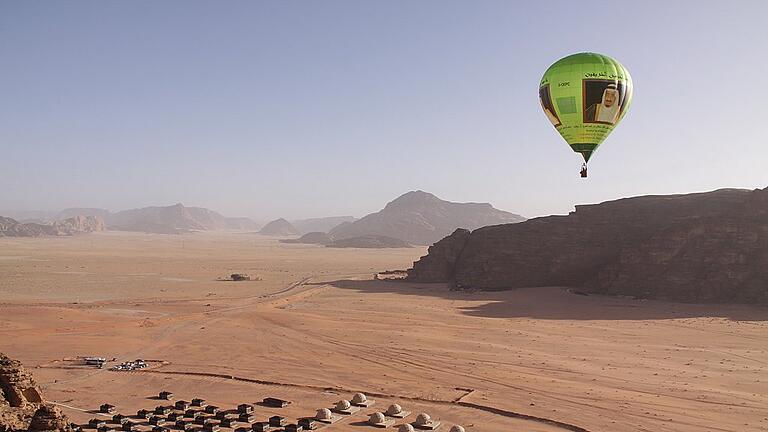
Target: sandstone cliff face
x=440, y=262
x=698, y=247
x=18, y=386
x=79, y=224
x=21, y=404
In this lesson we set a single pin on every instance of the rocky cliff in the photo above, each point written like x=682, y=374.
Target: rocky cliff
x=707, y=247
x=21, y=403
x=421, y=218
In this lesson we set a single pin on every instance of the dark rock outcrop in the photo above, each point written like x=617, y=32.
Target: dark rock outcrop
x=440, y=262
x=421, y=218
x=369, y=242
x=320, y=238
x=706, y=247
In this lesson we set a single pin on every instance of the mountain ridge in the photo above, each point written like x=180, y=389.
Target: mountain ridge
x=421, y=218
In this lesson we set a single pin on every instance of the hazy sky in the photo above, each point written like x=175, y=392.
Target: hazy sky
x=316, y=108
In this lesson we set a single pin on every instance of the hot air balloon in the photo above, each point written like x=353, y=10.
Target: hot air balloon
x=585, y=96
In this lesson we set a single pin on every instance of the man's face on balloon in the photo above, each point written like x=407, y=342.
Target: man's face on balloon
x=610, y=98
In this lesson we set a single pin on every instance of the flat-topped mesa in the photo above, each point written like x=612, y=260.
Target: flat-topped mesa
x=704, y=247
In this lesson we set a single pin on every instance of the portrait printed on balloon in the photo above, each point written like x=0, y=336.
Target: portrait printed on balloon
x=546, y=104
x=603, y=101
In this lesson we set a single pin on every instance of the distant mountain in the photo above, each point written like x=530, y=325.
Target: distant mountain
x=323, y=224
x=76, y=225
x=421, y=218
x=369, y=242
x=163, y=220
x=174, y=219
x=702, y=247
x=279, y=227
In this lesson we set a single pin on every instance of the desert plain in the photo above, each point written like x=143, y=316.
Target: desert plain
x=317, y=327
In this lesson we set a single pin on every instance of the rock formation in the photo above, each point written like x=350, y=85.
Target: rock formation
x=79, y=224
x=369, y=242
x=707, y=247
x=75, y=225
x=21, y=403
x=49, y=418
x=279, y=227
x=320, y=238
x=421, y=218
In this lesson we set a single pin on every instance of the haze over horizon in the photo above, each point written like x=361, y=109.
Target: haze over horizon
x=295, y=110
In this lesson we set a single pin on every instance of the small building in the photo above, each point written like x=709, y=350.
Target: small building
x=245, y=408
x=104, y=428
x=96, y=423
x=180, y=423
x=118, y=418
x=174, y=416
x=260, y=427
x=181, y=405
x=107, y=409
x=277, y=421
x=165, y=395
x=191, y=412
x=162, y=410
x=275, y=402
x=95, y=361
x=294, y=428
x=144, y=413
x=246, y=418
x=199, y=402
x=128, y=426
x=227, y=422
x=160, y=429
x=211, y=427
x=157, y=421
x=308, y=424
x=212, y=409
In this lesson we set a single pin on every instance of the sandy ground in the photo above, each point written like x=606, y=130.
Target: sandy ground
x=316, y=328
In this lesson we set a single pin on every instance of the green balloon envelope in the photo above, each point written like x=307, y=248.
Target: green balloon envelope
x=585, y=96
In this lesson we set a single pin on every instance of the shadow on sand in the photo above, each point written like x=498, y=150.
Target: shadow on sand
x=557, y=303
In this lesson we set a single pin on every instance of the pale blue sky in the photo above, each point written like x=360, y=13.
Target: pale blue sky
x=315, y=108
